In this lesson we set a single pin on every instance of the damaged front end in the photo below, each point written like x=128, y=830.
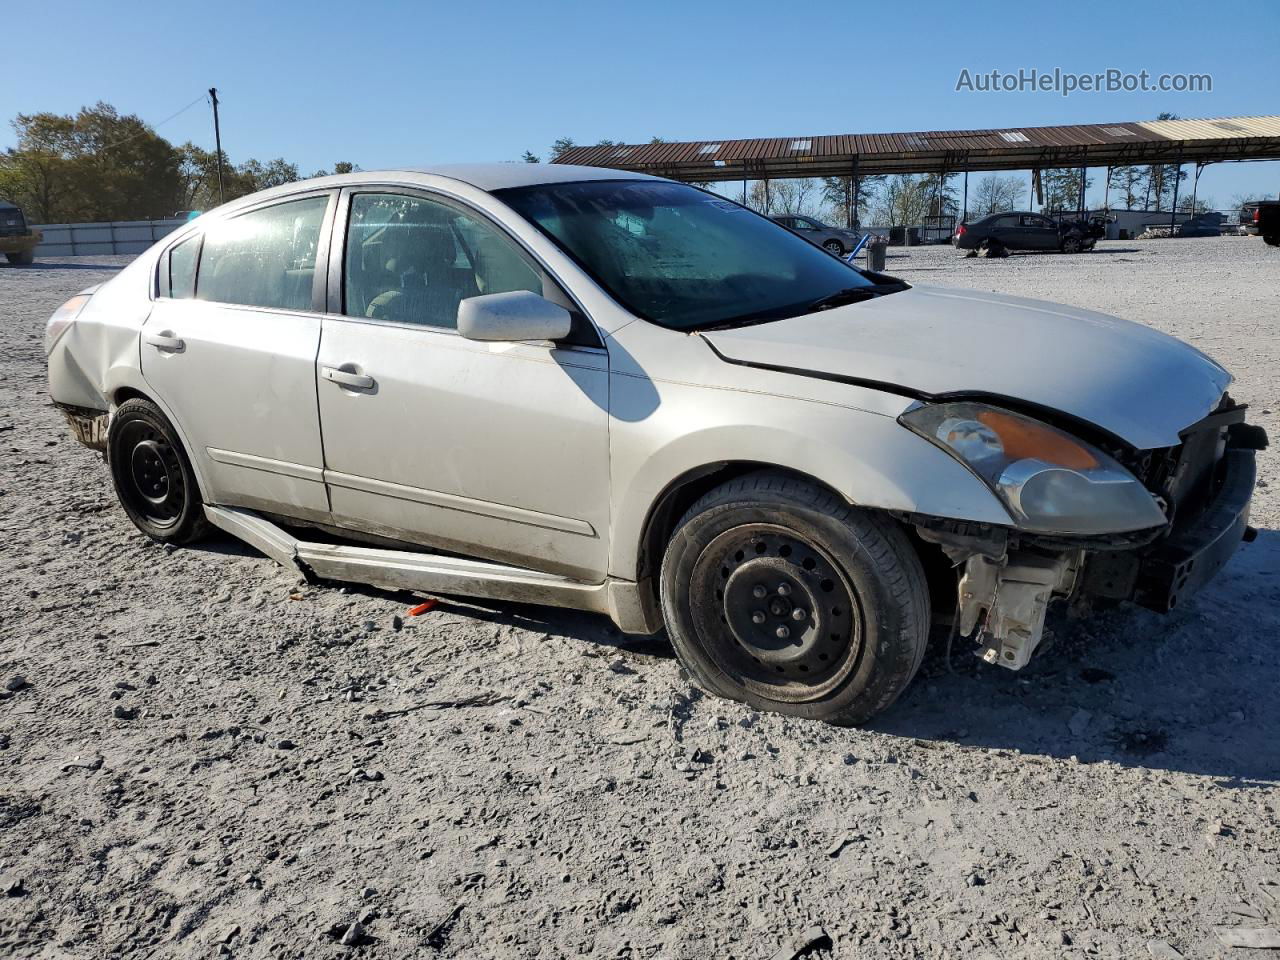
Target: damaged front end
x=1006, y=578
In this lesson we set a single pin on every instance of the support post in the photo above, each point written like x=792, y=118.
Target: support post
x=766, y=197
x=964, y=214
x=857, y=197
x=1084, y=179
x=1173, y=211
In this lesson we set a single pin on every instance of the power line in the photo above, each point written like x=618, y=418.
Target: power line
x=151, y=128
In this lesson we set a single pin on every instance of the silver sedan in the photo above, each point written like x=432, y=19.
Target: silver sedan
x=618, y=393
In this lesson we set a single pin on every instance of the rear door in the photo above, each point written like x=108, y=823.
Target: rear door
x=1004, y=230
x=495, y=450
x=230, y=347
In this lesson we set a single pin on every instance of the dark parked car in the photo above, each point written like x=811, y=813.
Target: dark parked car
x=997, y=234
x=1262, y=219
x=18, y=241
x=834, y=240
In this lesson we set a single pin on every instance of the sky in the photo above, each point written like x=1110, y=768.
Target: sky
x=386, y=83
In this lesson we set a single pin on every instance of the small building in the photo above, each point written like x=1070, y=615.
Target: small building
x=1127, y=224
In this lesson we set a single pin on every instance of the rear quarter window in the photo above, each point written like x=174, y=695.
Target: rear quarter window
x=182, y=268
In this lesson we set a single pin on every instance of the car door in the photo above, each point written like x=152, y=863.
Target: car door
x=1039, y=233
x=1004, y=230
x=230, y=348
x=493, y=450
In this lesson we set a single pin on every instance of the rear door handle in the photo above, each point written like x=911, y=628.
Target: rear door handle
x=165, y=342
x=348, y=379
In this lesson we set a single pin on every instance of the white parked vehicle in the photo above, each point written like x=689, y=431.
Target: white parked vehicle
x=618, y=393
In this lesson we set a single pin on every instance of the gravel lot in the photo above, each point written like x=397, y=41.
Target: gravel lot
x=213, y=758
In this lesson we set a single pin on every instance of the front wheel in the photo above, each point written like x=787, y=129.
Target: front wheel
x=152, y=475
x=23, y=258
x=780, y=594
x=834, y=247
x=1071, y=245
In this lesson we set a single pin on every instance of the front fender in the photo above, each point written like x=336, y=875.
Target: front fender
x=867, y=457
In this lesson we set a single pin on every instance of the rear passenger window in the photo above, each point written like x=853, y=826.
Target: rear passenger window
x=266, y=258
x=412, y=260
x=182, y=269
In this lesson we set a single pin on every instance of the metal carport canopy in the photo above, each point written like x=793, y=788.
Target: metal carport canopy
x=946, y=151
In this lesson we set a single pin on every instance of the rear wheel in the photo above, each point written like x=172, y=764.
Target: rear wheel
x=778, y=593
x=834, y=247
x=152, y=475
x=1272, y=239
x=993, y=249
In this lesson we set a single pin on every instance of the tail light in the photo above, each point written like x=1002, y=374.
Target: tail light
x=62, y=318
x=1257, y=214
x=960, y=230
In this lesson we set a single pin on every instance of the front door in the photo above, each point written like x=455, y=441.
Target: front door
x=230, y=348
x=494, y=450
x=1040, y=233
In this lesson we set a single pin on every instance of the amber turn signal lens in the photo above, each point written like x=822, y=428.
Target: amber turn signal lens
x=1023, y=440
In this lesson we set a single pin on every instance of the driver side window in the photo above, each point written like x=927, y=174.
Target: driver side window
x=413, y=260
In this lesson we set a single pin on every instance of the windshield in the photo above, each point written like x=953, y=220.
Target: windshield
x=681, y=257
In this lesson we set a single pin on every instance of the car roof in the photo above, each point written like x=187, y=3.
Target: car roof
x=5, y=205
x=500, y=176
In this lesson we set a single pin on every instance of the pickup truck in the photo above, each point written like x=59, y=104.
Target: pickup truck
x=1263, y=219
x=18, y=241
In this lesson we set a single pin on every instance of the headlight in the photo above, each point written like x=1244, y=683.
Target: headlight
x=1050, y=481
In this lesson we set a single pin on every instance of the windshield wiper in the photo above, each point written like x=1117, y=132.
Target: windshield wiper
x=847, y=295
x=734, y=324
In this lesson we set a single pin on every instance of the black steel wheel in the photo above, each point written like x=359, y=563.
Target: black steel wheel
x=152, y=476
x=778, y=593
x=783, y=613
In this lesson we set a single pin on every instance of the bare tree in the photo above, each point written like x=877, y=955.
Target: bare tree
x=905, y=199
x=786, y=197
x=995, y=194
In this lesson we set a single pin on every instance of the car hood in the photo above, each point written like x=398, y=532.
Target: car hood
x=1128, y=379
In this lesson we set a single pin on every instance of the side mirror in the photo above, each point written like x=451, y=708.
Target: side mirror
x=517, y=315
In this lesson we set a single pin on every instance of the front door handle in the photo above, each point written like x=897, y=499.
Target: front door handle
x=165, y=342
x=346, y=378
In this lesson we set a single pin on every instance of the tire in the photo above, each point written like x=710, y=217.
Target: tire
x=1272, y=239
x=993, y=249
x=23, y=258
x=152, y=475
x=834, y=247
x=842, y=595
x=1070, y=244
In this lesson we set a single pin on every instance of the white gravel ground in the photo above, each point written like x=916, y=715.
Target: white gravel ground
x=210, y=758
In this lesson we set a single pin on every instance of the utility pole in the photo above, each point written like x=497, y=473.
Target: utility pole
x=217, y=140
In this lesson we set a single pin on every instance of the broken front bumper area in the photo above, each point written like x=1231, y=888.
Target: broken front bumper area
x=1174, y=568
x=1008, y=580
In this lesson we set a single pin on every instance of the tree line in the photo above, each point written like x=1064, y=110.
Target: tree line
x=98, y=165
